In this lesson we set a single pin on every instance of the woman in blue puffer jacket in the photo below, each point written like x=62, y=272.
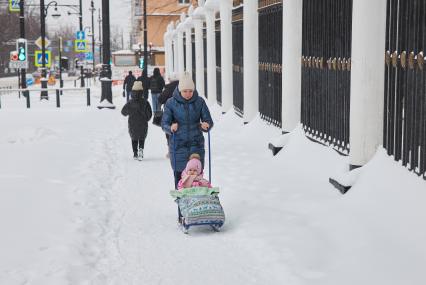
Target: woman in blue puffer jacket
x=187, y=116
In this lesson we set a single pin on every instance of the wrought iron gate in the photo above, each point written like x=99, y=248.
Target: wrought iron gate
x=193, y=60
x=205, y=59
x=326, y=65
x=184, y=52
x=405, y=91
x=237, y=60
x=270, y=60
x=218, y=64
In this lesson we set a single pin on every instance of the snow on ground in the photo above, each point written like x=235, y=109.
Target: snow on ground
x=75, y=208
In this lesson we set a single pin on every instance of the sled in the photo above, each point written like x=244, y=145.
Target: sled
x=199, y=206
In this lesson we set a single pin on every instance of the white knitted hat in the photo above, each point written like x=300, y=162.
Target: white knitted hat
x=185, y=82
x=137, y=86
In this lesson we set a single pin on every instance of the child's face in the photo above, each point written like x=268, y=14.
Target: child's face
x=192, y=172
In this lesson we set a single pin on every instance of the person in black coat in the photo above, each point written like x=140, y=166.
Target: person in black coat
x=164, y=96
x=139, y=111
x=145, y=84
x=156, y=84
x=128, y=85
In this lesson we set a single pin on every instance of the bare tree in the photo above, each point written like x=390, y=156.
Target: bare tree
x=10, y=32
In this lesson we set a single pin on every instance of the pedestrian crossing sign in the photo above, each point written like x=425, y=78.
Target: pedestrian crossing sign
x=80, y=46
x=38, y=55
x=14, y=5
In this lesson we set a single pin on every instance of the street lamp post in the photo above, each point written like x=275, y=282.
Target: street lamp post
x=22, y=36
x=81, y=28
x=105, y=76
x=44, y=94
x=145, y=40
x=92, y=9
x=61, y=82
x=100, y=35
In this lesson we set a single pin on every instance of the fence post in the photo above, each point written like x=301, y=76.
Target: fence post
x=28, y=99
x=88, y=96
x=292, y=69
x=0, y=100
x=251, y=60
x=367, y=80
x=58, y=101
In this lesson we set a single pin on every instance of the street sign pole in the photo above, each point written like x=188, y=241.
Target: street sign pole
x=105, y=76
x=61, y=82
x=22, y=34
x=44, y=94
x=81, y=29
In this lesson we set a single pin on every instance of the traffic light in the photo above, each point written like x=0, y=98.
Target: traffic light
x=21, y=47
x=141, y=59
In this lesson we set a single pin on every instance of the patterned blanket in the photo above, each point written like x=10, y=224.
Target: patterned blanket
x=200, y=206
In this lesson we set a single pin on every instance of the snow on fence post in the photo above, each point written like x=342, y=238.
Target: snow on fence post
x=367, y=80
x=291, y=67
x=251, y=60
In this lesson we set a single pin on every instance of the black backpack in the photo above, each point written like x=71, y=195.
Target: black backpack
x=154, y=85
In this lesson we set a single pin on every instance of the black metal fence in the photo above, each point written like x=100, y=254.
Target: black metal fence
x=184, y=52
x=270, y=59
x=405, y=79
x=326, y=65
x=193, y=60
x=205, y=60
x=237, y=60
x=218, y=64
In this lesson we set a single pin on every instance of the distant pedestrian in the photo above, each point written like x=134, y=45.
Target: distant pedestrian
x=145, y=83
x=156, y=84
x=165, y=95
x=139, y=111
x=128, y=85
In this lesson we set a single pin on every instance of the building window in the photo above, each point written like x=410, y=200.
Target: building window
x=183, y=2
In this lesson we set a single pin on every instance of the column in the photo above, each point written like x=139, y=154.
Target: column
x=211, y=55
x=251, y=60
x=367, y=80
x=181, y=63
x=175, y=53
x=226, y=53
x=188, y=32
x=199, y=56
x=292, y=68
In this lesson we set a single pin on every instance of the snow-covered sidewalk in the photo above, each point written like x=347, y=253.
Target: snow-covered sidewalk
x=75, y=208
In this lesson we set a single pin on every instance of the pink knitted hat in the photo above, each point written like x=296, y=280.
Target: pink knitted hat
x=193, y=164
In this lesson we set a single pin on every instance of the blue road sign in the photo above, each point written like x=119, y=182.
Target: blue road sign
x=80, y=56
x=80, y=35
x=80, y=46
x=39, y=57
x=14, y=5
x=89, y=56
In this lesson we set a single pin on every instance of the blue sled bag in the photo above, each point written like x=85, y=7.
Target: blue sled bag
x=199, y=206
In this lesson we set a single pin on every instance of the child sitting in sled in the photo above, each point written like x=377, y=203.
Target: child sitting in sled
x=192, y=176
